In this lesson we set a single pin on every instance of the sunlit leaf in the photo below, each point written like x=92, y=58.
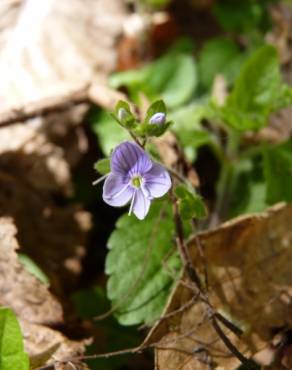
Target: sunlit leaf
x=103, y=166
x=12, y=355
x=33, y=268
x=139, y=282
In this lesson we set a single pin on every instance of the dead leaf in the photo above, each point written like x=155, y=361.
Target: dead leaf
x=249, y=266
x=25, y=294
x=36, y=308
x=51, y=234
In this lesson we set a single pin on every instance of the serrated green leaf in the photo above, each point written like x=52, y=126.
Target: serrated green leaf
x=33, y=268
x=278, y=172
x=103, y=166
x=138, y=281
x=12, y=355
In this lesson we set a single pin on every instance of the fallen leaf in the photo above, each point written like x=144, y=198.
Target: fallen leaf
x=249, y=268
x=36, y=308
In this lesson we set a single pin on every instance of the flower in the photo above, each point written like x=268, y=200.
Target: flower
x=134, y=178
x=158, y=118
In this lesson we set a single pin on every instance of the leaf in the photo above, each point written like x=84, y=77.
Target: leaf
x=36, y=308
x=191, y=204
x=255, y=90
x=138, y=282
x=109, y=133
x=103, y=166
x=181, y=85
x=173, y=77
x=123, y=115
x=12, y=355
x=278, y=172
x=241, y=16
x=249, y=269
x=33, y=268
x=248, y=189
x=219, y=56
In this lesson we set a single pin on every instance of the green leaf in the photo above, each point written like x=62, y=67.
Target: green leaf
x=219, y=56
x=33, y=268
x=181, y=85
x=139, y=283
x=173, y=77
x=191, y=204
x=278, y=172
x=258, y=82
x=103, y=166
x=255, y=91
x=241, y=16
x=248, y=188
x=109, y=133
x=12, y=355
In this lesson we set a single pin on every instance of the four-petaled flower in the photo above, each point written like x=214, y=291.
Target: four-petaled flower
x=134, y=178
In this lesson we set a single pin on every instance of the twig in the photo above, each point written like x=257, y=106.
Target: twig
x=193, y=275
x=230, y=345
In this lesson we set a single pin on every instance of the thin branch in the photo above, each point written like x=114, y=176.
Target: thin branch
x=245, y=361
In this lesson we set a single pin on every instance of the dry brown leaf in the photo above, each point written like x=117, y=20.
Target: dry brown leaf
x=52, y=235
x=25, y=294
x=33, y=304
x=52, y=47
x=249, y=265
x=46, y=346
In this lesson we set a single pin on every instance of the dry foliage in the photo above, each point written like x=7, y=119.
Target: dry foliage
x=249, y=269
x=36, y=308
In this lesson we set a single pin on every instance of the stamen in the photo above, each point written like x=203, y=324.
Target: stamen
x=100, y=179
x=132, y=203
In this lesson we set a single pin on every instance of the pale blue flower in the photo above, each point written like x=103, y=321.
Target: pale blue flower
x=134, y=179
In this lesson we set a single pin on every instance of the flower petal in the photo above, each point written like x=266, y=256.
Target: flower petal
x=129, y=158
x=141, y=205
x=157, y=181
x=116, y=192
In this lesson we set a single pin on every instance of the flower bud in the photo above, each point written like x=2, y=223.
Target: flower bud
x=158, y=118
x=122, y=114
